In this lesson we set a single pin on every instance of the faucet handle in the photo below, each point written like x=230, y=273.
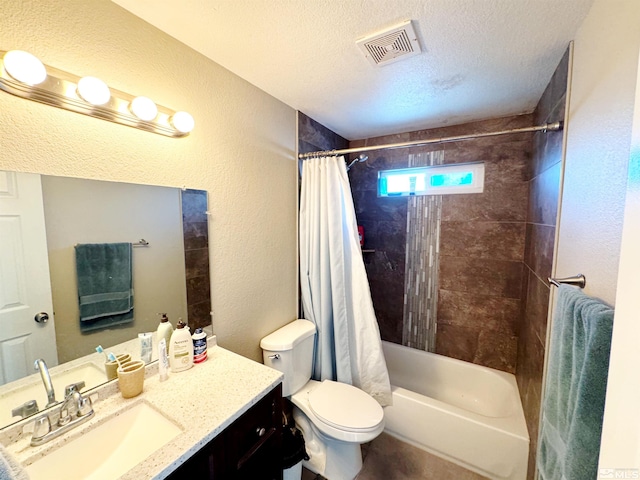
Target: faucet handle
x=42, y=426
x=85, y=406
x=26, y=409
x=73, y=387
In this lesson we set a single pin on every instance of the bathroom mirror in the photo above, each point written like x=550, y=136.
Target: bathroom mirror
x=168, y=230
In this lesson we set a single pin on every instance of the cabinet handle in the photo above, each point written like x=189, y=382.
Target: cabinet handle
x=261, y=431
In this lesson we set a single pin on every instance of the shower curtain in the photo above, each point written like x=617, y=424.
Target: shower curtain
x=334, y=285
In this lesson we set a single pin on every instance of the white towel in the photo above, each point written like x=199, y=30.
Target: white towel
x=10, y=468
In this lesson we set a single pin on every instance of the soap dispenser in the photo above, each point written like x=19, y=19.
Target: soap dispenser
x=181, y=348
x=165, y=329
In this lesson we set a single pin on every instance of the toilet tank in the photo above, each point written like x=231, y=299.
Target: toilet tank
x=290, y=350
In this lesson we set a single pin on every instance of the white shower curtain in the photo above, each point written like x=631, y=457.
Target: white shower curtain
x=334, y=285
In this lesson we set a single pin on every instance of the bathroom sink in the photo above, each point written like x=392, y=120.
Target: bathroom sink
x=89, y=373
x=110, y=449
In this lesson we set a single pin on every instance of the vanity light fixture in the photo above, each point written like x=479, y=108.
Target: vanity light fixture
x=182, y=122
x=24, y=75
x=94, y=90
x=144, y=108
x=24, y=67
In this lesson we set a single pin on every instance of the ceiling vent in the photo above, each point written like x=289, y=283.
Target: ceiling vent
x=391, y=45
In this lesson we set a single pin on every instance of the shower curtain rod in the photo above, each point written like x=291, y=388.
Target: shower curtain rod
x=553, y=127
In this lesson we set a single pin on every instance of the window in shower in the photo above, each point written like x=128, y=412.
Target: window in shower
x=436, y=180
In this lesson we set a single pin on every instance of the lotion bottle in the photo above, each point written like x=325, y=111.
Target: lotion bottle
x=181, y=348
x=165, y=329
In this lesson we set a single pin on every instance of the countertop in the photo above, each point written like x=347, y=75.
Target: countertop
x=202, y=401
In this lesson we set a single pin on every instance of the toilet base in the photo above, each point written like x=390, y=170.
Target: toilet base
x=331, y=458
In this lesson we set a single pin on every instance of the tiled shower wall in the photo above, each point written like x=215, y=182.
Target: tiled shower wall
x=544, y=183
x=313, y=136
x=482, y=241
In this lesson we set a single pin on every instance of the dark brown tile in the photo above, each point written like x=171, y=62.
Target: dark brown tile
x=505, y=204
x=537, y=307
x=543, y=199
x=196, y=235
x=482, y=126
x=457, y=342
x=504, y=162
x=497, y=350
x=479, y=312
x=199, y=315
x=198, y=289
x=315, y=136
x=196, y=263
x=482, y=347
x=500, y=278
x=498, y=240
x=540, y=241
x=547, y=151
x=554, y=93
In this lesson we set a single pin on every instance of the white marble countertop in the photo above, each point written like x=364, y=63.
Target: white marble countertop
x=202, y=401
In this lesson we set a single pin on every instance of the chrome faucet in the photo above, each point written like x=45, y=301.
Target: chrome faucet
x=74, y=410
x=41, y=366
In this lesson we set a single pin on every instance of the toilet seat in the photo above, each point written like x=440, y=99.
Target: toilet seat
x=345, y=407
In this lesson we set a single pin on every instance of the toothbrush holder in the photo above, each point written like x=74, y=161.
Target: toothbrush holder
x=111, y=367
x=131, y=378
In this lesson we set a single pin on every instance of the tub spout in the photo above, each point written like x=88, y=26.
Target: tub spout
x=41, y=366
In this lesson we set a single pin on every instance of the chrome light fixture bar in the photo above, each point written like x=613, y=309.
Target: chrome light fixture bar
x=23, y=75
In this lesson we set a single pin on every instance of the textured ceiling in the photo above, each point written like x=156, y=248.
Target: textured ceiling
x=481, y=58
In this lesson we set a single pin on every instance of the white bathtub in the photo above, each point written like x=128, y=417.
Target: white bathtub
x=468, y=414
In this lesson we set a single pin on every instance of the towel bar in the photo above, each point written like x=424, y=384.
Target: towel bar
x=577, y=280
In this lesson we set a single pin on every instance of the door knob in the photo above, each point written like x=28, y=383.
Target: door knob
x=41, y=317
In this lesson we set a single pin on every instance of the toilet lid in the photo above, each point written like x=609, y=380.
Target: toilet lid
x=345, y=406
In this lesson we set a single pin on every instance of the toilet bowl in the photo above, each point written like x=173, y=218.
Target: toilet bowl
x=340, y=411
x=335, y=418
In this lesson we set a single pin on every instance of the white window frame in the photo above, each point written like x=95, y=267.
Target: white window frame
x=476, y=186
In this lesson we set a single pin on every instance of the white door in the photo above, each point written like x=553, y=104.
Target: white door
x=25, y=288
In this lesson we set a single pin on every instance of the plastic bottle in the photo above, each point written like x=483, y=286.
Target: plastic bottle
x=199, y=346
x=181, y=348
x=165, y=329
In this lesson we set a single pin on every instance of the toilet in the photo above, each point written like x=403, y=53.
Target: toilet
x=335, y=418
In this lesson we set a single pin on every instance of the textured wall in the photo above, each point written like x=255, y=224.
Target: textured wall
x=544, y=186
x=601, y=121
x=241, y=151
x=598, y=145
x=481, y=242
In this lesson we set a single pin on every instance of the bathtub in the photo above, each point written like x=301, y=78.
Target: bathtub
x=468, y=414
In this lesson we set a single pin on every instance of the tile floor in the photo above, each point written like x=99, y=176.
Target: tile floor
x=387, y=458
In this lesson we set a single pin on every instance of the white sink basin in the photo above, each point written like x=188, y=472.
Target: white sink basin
x=89, y=373
x=110, y=449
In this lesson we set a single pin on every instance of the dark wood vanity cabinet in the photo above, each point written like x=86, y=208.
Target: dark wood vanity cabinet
x=248, y=449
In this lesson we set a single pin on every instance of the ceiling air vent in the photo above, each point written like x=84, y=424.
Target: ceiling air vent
x=391, y=45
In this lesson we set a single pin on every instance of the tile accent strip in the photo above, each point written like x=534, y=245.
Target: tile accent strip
x=421, y=263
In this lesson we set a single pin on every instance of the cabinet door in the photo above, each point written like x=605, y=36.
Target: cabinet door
x=249, y=449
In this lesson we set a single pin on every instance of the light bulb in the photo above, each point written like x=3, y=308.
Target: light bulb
x=24, y=67
x=93, y=90
x=144, y=108
x=183, y=122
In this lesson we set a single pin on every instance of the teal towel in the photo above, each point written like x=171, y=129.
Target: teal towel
x=105, y=285
x=576, y=384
